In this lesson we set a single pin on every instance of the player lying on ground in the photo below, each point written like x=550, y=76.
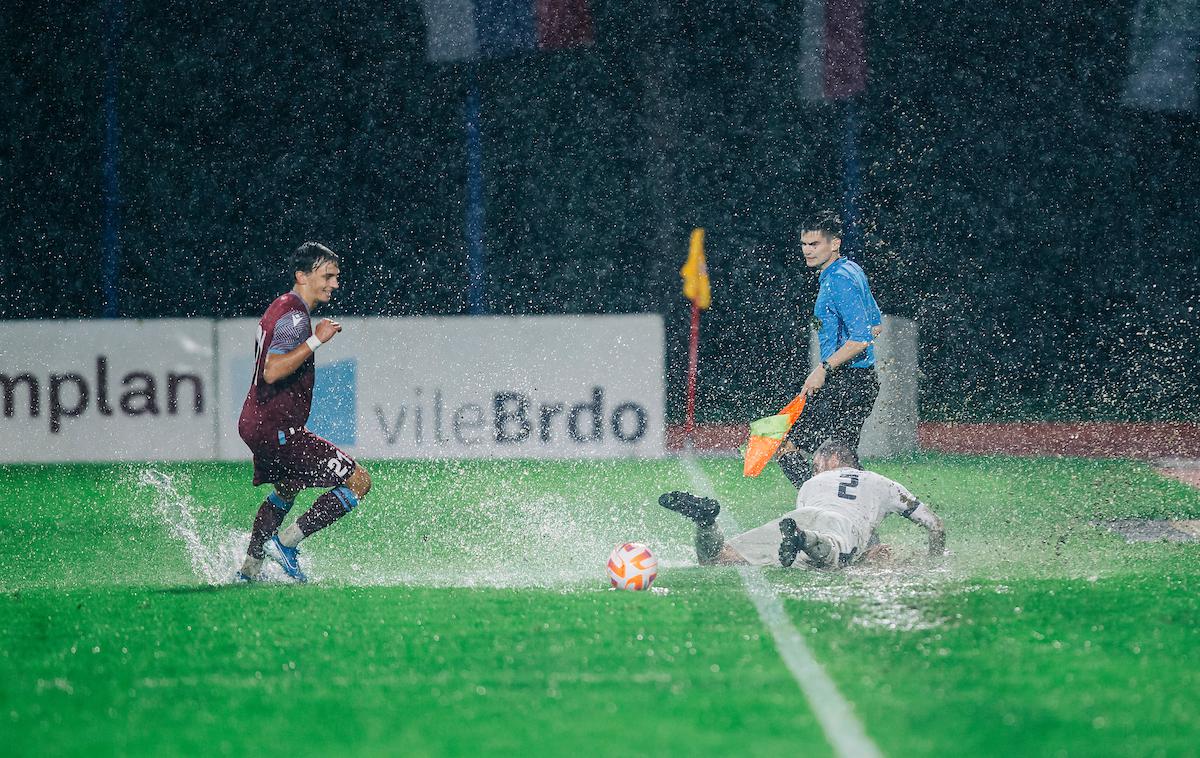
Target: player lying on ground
x=833, y=525
x=276, y=409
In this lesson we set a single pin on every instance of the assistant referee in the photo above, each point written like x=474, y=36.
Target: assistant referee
x=842, y=390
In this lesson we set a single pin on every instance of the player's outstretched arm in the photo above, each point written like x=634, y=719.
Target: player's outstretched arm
x=920, y=514
x=937, y=541
x=282, y=365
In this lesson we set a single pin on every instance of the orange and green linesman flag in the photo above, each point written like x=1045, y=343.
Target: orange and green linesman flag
x=695, y=273
x=766, y=435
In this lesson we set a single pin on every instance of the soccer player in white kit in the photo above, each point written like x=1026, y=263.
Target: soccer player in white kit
x=833, y=525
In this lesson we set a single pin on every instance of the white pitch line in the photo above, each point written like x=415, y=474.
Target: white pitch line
x=843, y=729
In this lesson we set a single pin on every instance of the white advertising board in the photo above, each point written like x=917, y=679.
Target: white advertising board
x=106, y=390
x=473, y=387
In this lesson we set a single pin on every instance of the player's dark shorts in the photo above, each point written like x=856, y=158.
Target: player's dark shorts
x=297, y=459
x=839, y=409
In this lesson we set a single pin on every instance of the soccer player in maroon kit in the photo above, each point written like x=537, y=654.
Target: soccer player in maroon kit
x=286, y=454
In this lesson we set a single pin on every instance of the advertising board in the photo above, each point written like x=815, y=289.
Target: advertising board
x=474, y=387
x=107, y=390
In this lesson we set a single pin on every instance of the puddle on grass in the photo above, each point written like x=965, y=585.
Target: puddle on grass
x=1152, y=530
x=545, y=542
x=878, y=597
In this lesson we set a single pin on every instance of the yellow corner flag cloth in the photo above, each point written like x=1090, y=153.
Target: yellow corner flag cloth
x=695, y=273
x=766, y=435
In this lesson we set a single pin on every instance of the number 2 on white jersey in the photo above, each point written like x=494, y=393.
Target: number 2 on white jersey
x=848, y=482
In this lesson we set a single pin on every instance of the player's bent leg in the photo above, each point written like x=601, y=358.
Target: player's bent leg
x=359, y=482
x=702, y=510
x=318, y=463
x=710, y=543
x=794, y=540
x=730, y=557
x=266, y=522
x=270, y=515
x=328, y=508
x=820, y=549
x=790, y=544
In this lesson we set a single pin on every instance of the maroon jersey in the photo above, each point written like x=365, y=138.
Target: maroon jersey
x=272, y=411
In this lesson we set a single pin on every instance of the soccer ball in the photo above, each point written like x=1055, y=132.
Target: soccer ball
x=632, y=566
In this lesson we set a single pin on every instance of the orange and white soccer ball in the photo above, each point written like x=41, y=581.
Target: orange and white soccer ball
x=632, y=566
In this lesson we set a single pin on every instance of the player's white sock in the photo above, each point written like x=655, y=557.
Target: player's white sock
x=252, y=566
x=291, y=536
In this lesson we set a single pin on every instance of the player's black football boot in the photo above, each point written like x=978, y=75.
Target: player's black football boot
x=794, y=540
x=702, y=510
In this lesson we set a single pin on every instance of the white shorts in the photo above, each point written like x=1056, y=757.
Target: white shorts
x=760, y=545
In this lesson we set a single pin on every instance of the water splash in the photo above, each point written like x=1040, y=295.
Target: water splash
x=550, y=542
x=213, y=552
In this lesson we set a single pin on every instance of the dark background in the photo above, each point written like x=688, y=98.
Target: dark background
x=1043, y=235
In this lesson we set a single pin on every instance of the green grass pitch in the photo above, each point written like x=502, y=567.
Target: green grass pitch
x=463, y=610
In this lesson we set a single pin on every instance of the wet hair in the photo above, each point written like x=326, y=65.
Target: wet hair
x=826, y=222
x=309, y=256
x=835, y=448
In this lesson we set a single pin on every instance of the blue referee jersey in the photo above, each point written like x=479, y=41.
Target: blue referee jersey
x=846, y=310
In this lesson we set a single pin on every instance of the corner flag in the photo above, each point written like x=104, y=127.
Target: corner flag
x=766, y=435
x=696, y=289
x=695, y=273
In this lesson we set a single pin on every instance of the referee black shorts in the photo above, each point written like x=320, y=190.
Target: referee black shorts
x=839, y=409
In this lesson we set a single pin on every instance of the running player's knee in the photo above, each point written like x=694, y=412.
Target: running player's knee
x=282, y=499
x=359, y=482
x=287, y=490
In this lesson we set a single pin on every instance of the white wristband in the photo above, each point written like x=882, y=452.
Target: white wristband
x=313, y=343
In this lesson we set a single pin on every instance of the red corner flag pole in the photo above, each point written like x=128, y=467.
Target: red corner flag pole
x=693, y=358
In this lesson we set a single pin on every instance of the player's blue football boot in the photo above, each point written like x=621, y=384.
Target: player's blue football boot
x=244, y=578
x=287, y=557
